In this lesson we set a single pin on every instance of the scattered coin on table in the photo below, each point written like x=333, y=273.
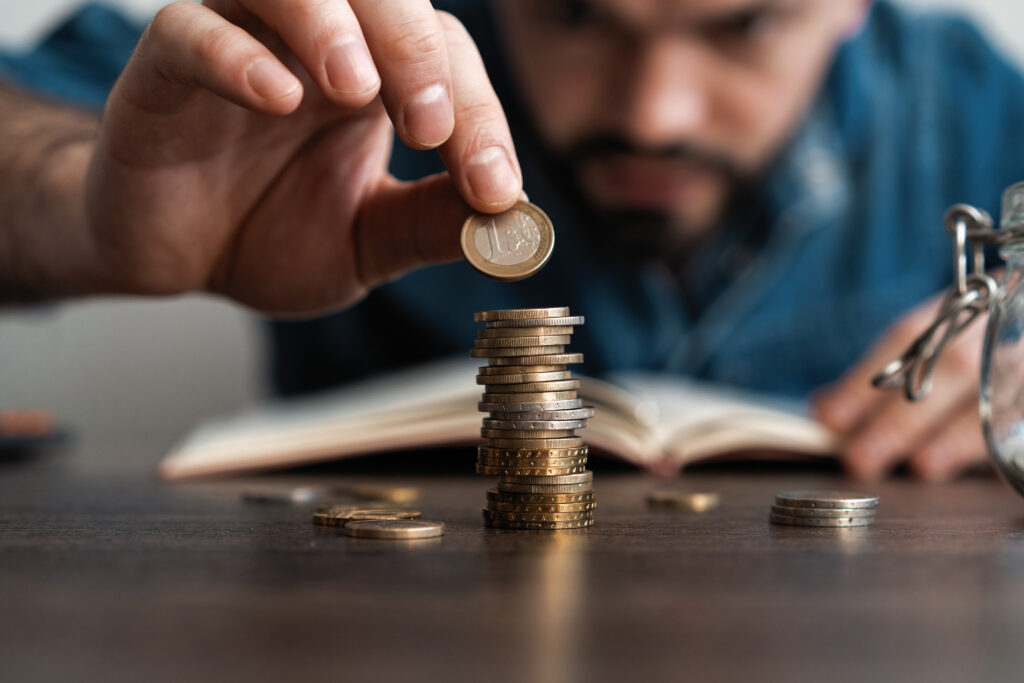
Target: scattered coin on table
x=823, y=509
x=394, y=529
x=682, y=500
x=341, y=515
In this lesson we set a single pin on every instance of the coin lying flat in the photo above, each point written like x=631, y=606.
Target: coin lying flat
x=539, y=526
x=529, y=406
x=489, y=433
x=567, y=321
x=526, y=453
x=528, y=342
x=518, y=352
x=582, y=478
x=531, y=508
x=538, y=516
x=578, y=464
x=563, y=442
x=394, y=529
x=499, y=370
x=682, y=500
x=580, y=414
x=524, y=378
x=534, y=387
x=821, y=521
x=540, y=498
x=518, y=472
x=340, y=515
x=534, y=425
x=516, y=332
x=521, y=314
x=826, y=499
x=515, y=488
x=558, y=358
x=822, y=513
x=529, y=397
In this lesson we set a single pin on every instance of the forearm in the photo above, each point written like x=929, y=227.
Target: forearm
x=45, y=246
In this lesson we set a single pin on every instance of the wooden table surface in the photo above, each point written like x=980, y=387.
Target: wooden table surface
x=113, y=576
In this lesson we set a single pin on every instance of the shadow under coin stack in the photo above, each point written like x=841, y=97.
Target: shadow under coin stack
x=535, y=415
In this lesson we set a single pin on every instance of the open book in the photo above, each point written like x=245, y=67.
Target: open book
x=658, y=422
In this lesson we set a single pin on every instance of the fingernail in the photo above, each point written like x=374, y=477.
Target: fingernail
x=350, y=68
x=491, y=176
x=270, y=80
x=428, y=116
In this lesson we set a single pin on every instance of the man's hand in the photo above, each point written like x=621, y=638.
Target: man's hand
x=939, y=436
x=244, y=151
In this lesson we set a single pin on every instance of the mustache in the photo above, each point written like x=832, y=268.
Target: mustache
x=605, y=145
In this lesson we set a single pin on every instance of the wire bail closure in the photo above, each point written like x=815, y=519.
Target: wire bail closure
x=973, y=294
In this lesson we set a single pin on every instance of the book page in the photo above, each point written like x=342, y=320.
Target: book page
x=695, y=420
x=434, y=405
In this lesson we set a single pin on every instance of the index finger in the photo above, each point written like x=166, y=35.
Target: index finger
x=479, y=155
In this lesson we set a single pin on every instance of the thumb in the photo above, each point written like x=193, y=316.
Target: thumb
x=406, y=225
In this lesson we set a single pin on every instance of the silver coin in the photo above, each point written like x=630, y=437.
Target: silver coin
x=498, y=370
x=534, y=387
x=524, y=378
x=535, y=359
x=549, y=489
x=538, y=425
x=821, y=521
x=395, y=529
x=293, y=496
x=822, y=513
x=519, y=352
x=826, y=499
x=544, y=406
x=567, y=321
x=580, y=478
x=541, y=331
x=583, y=413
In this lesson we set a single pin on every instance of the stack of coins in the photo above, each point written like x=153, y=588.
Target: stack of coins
x=533, y=422
x=824, y=509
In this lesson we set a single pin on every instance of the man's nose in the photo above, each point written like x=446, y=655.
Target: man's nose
x=666, y=93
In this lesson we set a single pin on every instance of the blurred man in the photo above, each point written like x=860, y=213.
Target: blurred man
x=744, y=191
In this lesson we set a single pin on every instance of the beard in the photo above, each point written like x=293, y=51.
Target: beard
x=636, y=233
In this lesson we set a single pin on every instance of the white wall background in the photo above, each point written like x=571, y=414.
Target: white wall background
x=150, y=369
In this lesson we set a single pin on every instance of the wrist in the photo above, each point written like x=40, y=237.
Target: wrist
x=47, y=247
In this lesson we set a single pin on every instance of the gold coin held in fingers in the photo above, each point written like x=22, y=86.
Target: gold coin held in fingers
x=509, y=246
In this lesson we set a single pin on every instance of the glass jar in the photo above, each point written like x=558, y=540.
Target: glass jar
x=1002, y=360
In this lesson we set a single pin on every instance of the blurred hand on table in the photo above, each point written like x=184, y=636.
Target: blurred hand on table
x=938, y=437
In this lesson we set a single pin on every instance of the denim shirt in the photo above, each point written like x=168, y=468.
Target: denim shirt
x=918, y=112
